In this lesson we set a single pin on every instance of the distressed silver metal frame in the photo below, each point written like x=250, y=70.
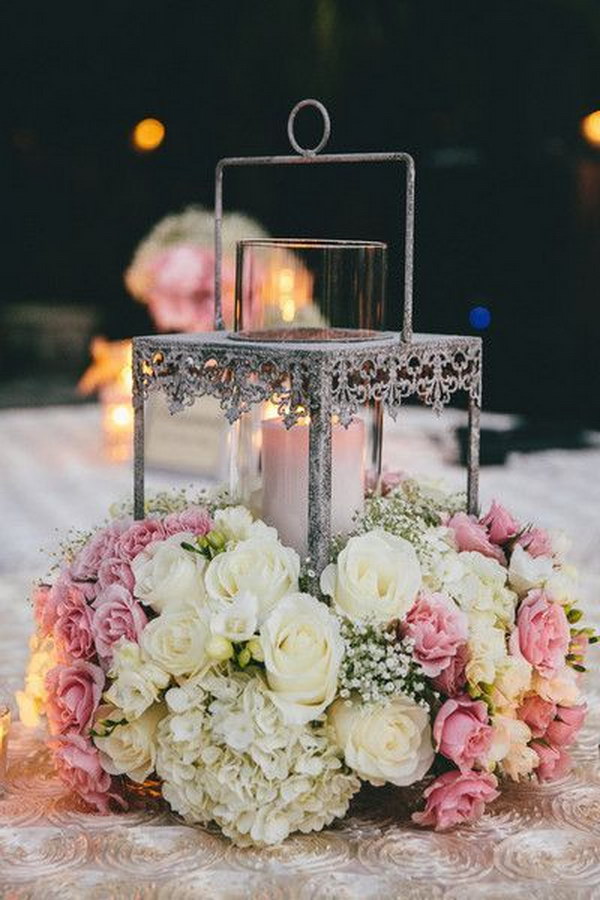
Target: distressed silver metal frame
x=326, y=377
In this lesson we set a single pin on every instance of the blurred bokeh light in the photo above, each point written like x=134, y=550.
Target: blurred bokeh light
x=148, y=135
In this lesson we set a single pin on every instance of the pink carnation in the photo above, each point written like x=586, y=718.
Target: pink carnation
x=115, y=571
x=117, y=615
x=537, y=714
x=195, y=519
x=462, y=733
x=554, y=763
x=563, y=730
x=499, y=523
x=137, y=537
x=452, y=680
x=100, y=546
x=537, y=542
x=438, y=628
x=73, y=627
x=74, y=693
x=470, y=535
x=457, y=797
x=78, y=765
x=542, y=634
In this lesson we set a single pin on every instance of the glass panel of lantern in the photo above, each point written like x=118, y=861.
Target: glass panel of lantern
x=304, y=290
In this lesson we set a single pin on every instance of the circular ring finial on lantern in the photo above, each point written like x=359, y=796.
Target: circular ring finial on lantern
x=309, y=151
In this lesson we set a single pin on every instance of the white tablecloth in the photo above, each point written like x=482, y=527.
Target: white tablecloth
x=535, y=842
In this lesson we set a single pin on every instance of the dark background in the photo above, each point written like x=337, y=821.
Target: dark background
x=488, y=96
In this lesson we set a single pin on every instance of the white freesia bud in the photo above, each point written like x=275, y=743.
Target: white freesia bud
x=167, y=576
x=219, y=648
x=130, y=749
x=260, y=566
x=376, y=577
x=176, y=641
x=237, y=621
x=302, y=650
x=390, y=742
x=526, y=572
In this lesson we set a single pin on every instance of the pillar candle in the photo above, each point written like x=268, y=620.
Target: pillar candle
x=285, y=478
x=4, y=730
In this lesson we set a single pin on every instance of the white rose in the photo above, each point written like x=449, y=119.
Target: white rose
x=376, y=577
x=303, y=650
x=131, y=749
x=176, y=641
x=237, y=524
x=167, y=576
x=260, y=566
x=513, y=680
x=137, y=682
x=237, y=621
x=384, y=743
x=526, y=572
x=509, y=747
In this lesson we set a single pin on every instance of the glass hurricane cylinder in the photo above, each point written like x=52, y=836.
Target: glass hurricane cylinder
x=294, y=290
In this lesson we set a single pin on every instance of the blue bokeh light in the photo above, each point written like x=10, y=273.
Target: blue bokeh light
x=480, y=317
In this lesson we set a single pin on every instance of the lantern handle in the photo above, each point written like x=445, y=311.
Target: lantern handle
x=312, y=156
x=309, y=151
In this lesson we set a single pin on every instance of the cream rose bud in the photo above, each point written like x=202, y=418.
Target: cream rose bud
x=526, y=572
x=167, y=576
x=390, y=742
x=376, y=577
x=176, y=641
x=130, y=749
x=302, y=650
x=237, y=621
x=260, y=566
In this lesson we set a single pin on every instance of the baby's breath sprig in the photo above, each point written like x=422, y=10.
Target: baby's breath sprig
x=377, y=664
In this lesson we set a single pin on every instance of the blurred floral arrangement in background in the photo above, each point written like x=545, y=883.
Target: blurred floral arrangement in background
x=172, y=270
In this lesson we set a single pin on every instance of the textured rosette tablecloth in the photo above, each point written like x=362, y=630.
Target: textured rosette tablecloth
x=535, y=842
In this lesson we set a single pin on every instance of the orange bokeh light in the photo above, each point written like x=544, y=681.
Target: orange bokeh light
x=590, y=128
x=148, y=135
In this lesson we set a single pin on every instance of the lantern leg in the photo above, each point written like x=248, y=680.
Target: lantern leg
x=473, y=457
x=138, y=455
x=319, y=488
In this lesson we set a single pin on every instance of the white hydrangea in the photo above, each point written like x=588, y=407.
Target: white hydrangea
x=236, y=762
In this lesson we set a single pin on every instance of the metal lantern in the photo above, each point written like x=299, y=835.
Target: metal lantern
x=316, y=378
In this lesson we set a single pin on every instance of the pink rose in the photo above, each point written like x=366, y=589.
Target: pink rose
x=553, y=763
x=181, y=293
x=195, y=519
x=116, y=615
x=457, y=797
x=78, y=765
x=74, y=693
x=537, y=542
x=137, y=537
x=499, y=523
x=100, y=546
x=470, y=535
x=73, y=627
x=115, y=571
x=438, y=628
x=453, y=679
x=537, y=714
x=461, y=732
x=542, y=634
x=563, y=730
